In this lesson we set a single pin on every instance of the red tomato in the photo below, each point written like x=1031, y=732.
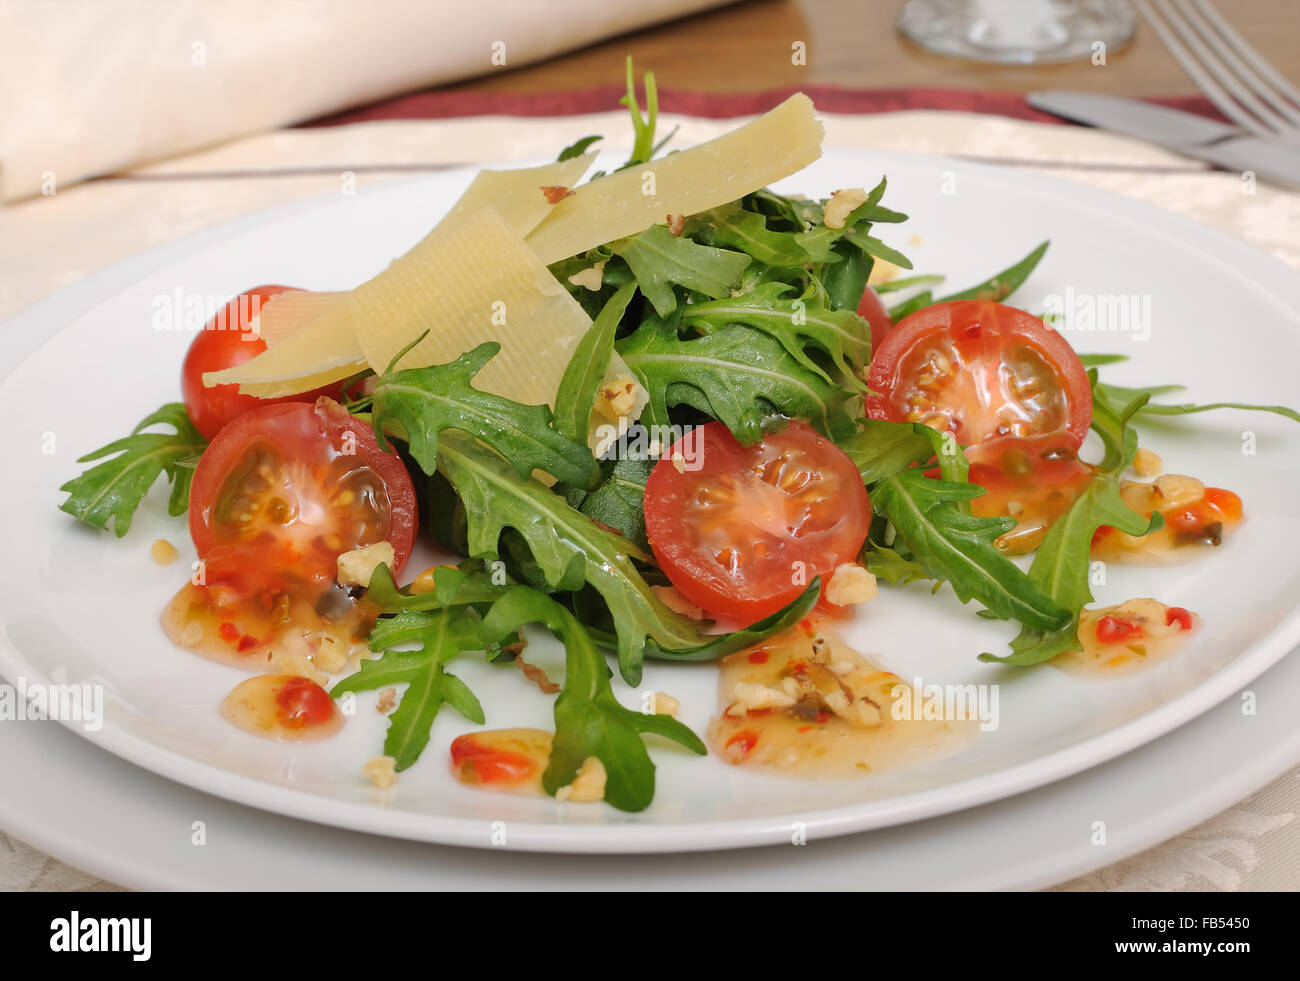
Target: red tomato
x=981, y=370
x=224, y=342
x=285, y=489
x=302, y=703
x=731, y=535
x=873, y=312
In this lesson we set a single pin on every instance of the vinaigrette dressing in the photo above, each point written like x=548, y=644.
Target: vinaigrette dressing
x=804, y=704
x=1123, y=639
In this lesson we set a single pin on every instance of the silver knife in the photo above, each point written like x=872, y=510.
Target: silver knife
x=1183, y=132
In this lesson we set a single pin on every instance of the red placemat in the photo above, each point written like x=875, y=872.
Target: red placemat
x=446, y=104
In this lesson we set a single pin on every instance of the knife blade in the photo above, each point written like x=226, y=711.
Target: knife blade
x=1183, y=132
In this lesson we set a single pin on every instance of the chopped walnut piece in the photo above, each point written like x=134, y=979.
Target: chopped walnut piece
x=357, y=566
x=1146, y=463
x=381, y=771
x=387, y=699
x=615, y=399
x=841, y=205
x=588, y=785
x=163, y=551
x=555, y=193
x=665, y=704
x=331, y=656
x=676, y=223
x=755, y=697
x=851, y=584
x=1179, y=491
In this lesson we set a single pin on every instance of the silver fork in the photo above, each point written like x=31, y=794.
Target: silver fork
x=1231, y=73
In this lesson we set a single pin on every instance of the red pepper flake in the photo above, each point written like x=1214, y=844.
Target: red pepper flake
x=1177, y=616
x=229, y=632
x=1113, y=630
x=555, y=193
x=247, y=641
x=806, y=625
x=758, y=657
x=739, y=745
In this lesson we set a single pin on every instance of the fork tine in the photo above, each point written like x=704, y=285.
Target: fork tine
x=1247, y=51
x=1264, y=121
x=1213, y=91
x=1217, y=39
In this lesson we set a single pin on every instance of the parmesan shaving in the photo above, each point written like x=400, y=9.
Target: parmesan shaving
x=773, y=146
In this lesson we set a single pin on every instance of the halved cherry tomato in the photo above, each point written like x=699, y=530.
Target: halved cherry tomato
x=744, y=534
x=873, y=312
x=980, y=370
x=225, y=341
x=285, y=489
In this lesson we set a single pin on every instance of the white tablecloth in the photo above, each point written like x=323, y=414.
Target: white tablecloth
x=49, y=242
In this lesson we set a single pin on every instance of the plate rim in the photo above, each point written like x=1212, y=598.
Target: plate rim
x=1268, y=272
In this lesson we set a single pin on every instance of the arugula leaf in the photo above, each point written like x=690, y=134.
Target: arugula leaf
x=731, y=226
x=799, y=323
x=912, y=304
x=659, y=260
x=877, y=249
x=846, y=280
x=589, y=720
x=1096, y=360
x=618, y=502
x=723, y=644
x=643, y=128
x=997, y=287
x=114, y=488
x=955, y=546
x=738, y=375
x=906, y=283
x=890, y=565
x=441, y=634
x=454, y=588
x=587, y=368
x=577, y=148
x=421, y=403
x=1121, y=395
x=1001, y=285
x=881, y=448
x=569, y=548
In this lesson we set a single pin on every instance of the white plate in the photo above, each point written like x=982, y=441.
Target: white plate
x=85, y=605
x=1036, y=839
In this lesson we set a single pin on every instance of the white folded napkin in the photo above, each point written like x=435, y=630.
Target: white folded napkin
x=92, y=86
